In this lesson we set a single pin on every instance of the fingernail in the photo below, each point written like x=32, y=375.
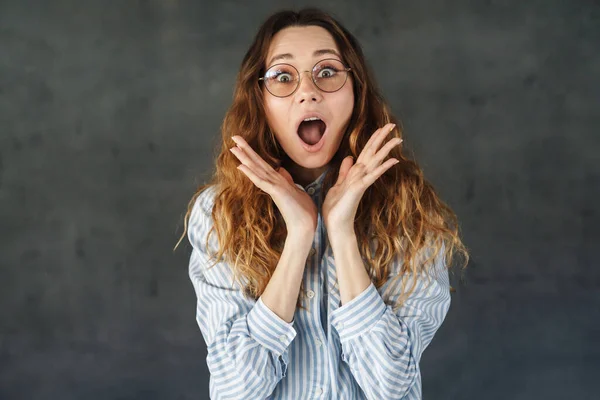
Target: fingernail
x=392, y=128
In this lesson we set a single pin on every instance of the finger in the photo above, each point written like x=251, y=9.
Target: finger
x=377, y=172
x=344, y=168
x=371, y=139
x=378, y=136
x=375, y=141
x=260, y=183
x=384, y=151
x=286, y=175
x=248, y=162
x=242, y=144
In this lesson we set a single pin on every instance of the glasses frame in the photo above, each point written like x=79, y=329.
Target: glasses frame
x=312, y=78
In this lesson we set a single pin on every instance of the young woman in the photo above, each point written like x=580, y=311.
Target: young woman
x=320, y=254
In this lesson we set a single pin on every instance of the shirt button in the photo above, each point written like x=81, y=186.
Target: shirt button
x=319, y=391
x=282, y=338
x=311, y=190
x=312, y=252
x=318, y=342
x=310, y=294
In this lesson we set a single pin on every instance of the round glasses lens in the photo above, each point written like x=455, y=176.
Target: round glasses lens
x=329, y=75
x=281, y=79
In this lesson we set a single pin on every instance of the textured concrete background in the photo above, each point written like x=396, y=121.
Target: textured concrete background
x=109, y=113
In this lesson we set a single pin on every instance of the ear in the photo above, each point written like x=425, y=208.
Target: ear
x=344, y=168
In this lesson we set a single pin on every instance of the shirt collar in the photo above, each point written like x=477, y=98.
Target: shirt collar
x=314, y=186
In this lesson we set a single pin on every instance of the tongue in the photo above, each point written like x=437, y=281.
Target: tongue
x=311, y=131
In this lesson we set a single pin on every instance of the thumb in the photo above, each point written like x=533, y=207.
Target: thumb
x=344, y=168
x=283, y=172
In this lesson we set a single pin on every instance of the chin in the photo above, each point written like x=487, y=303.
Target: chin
x=310, y=161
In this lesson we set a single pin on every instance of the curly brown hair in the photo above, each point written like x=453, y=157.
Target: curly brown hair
x=399, y=215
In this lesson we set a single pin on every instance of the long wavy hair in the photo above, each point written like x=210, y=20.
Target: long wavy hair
x=399, y=215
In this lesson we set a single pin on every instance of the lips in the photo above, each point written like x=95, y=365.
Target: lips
x=311, y=127
x=307, y=115
x=311, y=131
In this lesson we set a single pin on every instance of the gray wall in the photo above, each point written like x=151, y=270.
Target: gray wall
x=109, y=114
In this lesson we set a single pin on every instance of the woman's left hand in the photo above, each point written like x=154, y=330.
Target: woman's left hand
x=340, y=204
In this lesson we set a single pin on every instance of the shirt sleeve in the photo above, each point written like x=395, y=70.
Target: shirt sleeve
x=248, y=344
x=382, y=347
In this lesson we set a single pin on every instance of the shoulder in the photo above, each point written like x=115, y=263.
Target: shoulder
x=200, y=220
x=205, y=201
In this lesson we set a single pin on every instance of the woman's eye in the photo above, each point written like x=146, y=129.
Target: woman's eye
x=283, y=78
x=327, y=72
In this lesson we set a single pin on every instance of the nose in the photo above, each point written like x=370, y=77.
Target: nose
x=307, y=91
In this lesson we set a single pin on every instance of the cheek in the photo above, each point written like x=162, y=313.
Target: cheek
x=275, y=111
x=269, y=111
x=345, y=104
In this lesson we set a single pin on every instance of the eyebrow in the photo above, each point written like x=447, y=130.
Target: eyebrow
x=288, y=56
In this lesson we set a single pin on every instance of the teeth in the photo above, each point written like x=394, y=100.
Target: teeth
x=313, y=119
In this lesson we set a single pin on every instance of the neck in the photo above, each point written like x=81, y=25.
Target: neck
x=304, y=176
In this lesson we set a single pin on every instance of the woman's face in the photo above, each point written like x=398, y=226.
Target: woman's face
x=303, y=47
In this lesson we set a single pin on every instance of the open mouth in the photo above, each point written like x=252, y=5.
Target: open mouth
x=311, y=130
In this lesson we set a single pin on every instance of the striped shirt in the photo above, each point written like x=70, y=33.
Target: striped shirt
x=361, y=350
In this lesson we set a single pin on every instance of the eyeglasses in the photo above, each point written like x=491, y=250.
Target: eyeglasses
x=282, y=80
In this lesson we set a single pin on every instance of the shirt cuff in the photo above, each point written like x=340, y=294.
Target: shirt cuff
x=359, y=314
x=268, y=329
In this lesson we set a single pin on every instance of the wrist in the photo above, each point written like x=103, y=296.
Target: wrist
x=341, y=236
x=301, y=235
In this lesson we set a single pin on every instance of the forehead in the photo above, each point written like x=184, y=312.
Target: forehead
x=300, y=42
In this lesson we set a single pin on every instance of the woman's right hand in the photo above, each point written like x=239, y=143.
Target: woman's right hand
x=297, y=208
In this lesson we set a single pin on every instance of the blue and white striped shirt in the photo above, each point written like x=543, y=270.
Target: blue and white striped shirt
x=372, y=352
